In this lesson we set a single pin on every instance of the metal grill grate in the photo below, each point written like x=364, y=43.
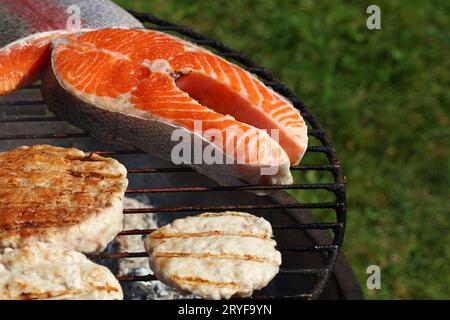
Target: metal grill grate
x=308, y=259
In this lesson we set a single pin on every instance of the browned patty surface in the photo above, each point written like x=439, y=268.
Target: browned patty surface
x=44, y=187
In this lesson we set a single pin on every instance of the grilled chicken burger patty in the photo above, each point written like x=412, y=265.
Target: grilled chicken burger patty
x=215, y=255
x=65, y=197
x=40, y=271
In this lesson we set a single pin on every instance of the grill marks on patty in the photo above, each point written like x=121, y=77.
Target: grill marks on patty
x=170, y=233
x=38, y=295
x=207, y=255
x=192, y=280
x=215, y=255
x=61, y=196
x=163, y=235
x=35, y=182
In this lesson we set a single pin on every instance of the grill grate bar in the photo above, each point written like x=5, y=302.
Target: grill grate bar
x=315, y=248
x=123, y=255
x=22, y=103
x=148, y=277
x=316, y=272
x=116, y=255
x=188, y=169
x=30, y=119
x=316, y=186
x=323, y=205
x=151, y=277
x=319, y=226
x=44, y=136
x=160, y=170
x=316, y=149
x=313, y=133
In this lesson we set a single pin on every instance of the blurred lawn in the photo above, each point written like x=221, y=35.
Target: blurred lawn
x=383, y=96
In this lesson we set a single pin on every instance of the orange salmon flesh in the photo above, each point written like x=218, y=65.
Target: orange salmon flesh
x=178, y=82
x=22, y=62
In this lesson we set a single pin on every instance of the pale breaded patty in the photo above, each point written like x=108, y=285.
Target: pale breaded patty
x=40, y=271
x=61, y=196
x=215, y=255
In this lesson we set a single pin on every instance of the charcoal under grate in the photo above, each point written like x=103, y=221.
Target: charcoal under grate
x=309, y=234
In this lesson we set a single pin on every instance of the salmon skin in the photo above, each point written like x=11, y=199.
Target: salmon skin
x=136, y=87
x=27, y=26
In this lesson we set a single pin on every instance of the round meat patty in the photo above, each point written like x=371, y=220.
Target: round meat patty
x=65, y=197
x=215, y=255
x=40, y=271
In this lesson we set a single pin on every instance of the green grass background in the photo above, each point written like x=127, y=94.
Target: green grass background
x=383, y=97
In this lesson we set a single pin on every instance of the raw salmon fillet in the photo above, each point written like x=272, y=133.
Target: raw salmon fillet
x=27, y=26
x=135, y=87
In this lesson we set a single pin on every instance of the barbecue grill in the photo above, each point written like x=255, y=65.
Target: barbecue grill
x=309, y=235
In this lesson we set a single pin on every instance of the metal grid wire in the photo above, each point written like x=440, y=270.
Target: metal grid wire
x=308, y=278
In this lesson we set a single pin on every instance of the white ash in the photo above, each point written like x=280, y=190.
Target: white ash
x=134, y=243
x=139, y=266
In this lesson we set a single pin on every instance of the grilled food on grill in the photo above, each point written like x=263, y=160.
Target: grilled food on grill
x=25, y=32
x=40, y=271
x=136, y=87
x=215, y=255
x=61, y=196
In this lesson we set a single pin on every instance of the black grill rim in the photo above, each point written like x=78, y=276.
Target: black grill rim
x=332, y=250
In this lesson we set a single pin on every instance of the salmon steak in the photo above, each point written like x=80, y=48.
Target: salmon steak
x=27, y=26
x=150, y=90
